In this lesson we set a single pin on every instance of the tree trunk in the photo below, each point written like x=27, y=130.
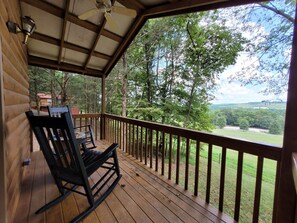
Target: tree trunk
x=124, y=89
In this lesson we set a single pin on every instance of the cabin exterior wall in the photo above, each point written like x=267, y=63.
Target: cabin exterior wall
x=15, y=136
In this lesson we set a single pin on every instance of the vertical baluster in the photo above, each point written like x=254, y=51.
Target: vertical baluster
x=209, y=165
x=146, y=146
x=151, y=148
x=86, y=123
x=106, y=129
x=222, y=179
x=133, y=140
x=170, y=157
x=163, y=153
x=127, y=137
x=238, y=186
x=137, y=142
x=118, y=131
x=275, y=202
x=258, y=189
x=129, y=143
x=157, y=151
x=197, y=160
x=113, y=130
x=96, y=128
x=121, y=135
x=187, y=163
x=80, y=123
x=141, y=143
x=177, y=160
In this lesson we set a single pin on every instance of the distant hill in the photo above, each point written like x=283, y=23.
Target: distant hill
x=252, y=105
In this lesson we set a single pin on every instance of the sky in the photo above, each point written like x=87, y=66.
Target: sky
x=233, y=91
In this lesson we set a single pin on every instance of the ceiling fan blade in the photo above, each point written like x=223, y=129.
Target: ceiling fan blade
x=110, y=21
x=88, y=14
x=124, y=11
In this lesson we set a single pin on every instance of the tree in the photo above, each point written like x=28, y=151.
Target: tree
x=170, y=68
x=270, y=28
x=275, y=127
x=221, y=122
x=243, y=124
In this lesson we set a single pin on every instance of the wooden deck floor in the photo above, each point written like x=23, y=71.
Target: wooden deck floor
x=141, y=196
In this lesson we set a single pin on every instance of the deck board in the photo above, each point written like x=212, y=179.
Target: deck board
x=142, y=195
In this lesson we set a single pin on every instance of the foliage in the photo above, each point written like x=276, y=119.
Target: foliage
x=171, y=66
x=269, y=28
x=275, y=128
x=243, y=124
x=74, y=90
x=257, y=118
x=221, y=121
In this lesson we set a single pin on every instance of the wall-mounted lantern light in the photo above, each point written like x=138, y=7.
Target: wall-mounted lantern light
x=28, y=27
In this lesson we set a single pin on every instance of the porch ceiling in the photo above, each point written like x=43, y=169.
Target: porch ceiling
x=62, y=41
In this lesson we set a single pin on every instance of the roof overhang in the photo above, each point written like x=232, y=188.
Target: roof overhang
x=64, y=42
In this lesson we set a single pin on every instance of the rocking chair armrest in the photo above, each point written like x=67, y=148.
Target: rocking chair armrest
x=109, y=150
x=94, y=159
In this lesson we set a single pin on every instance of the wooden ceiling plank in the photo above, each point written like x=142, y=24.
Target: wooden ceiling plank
x=63, y=30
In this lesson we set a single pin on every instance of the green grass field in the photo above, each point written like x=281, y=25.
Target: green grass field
x=252, y=136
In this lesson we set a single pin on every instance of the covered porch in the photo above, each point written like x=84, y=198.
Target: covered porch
x=157, y=186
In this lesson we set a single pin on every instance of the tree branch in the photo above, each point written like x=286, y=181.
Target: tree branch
x=278, y=12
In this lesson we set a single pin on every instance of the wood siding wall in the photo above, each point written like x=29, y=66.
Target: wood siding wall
x=16, y=102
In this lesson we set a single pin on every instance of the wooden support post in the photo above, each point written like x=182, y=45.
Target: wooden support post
x=102, y=123
x=286, y=195
x=3, y=190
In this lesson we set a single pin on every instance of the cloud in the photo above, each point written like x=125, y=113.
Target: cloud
x=231, y=91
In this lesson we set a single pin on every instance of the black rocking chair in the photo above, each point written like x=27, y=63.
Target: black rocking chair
x=69, y=166
x=87, y=135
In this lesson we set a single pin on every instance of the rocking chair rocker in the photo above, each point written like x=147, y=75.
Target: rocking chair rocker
x=69, y=167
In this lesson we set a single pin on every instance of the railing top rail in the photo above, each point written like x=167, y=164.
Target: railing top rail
x=95, y=115
x=259, y=149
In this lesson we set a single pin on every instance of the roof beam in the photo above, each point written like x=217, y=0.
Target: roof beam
x=182, y=7
x=136, y=5
x=37, y=61
x=67, y=45
x=137, y=25
x=96, y=41
x=63, y=30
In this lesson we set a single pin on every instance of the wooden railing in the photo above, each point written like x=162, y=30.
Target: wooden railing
x=228, y=172
x=88, y=119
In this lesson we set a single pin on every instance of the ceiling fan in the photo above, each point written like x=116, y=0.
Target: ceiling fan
x=107, y=8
